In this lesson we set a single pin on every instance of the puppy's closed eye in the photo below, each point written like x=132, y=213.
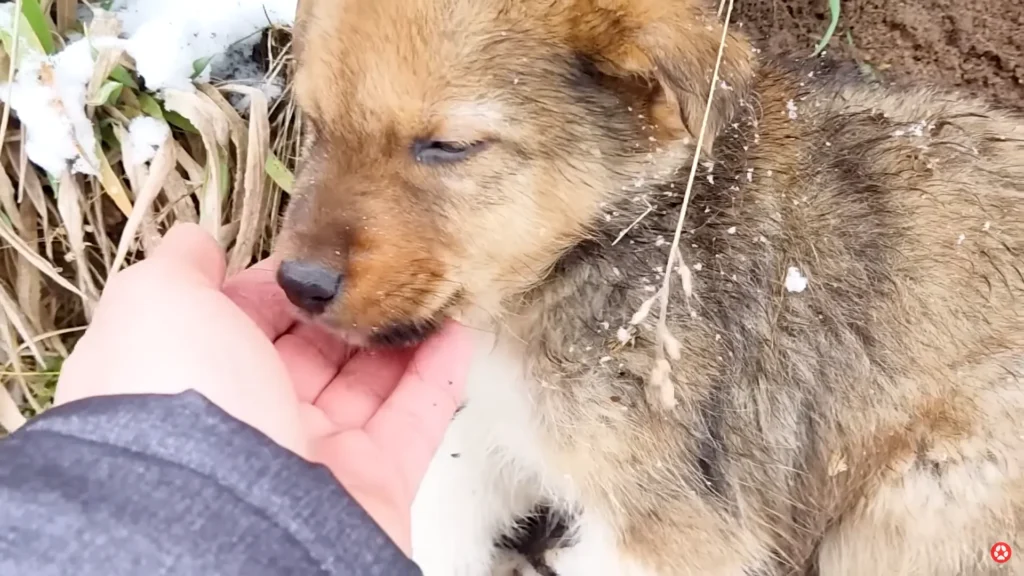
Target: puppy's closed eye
x=445, y=152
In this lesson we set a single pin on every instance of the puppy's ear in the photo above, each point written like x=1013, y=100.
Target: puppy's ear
x=674, y=44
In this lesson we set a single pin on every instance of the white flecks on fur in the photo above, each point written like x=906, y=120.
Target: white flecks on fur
x=791, y=110
x=623, y=335
x=916, y=129
x=731, y=230
x=960, y=239
x=986, y=226
x=795, y=280
x=750, y=174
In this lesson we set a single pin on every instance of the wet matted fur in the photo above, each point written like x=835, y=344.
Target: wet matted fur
x=519, y=165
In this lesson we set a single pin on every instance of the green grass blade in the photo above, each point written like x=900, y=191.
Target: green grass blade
x=38, y=20
x=120, y=74
x=150, y=107
x=179, y=121
x=200, y=65
x=280, y=173
x=109, y=93
x=834, y=10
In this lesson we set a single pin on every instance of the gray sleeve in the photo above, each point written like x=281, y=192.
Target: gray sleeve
x=162, y=485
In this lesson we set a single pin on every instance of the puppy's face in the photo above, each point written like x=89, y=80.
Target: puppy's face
x=458, y=147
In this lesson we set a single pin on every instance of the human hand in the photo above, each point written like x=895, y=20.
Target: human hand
x=171, y=323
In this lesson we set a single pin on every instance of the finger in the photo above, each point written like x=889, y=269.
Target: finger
x=313, y=357
x=256, y=292
x=412, y=421
x=309, y=369
x=362, y=385
x=331, y=347
x=189, y=248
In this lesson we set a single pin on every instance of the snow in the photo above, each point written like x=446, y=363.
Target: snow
x=146, y=134
x=167, y=38
x=48, y=97
x=795, y=280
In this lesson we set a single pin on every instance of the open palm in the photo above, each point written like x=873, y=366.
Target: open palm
x=374, y=418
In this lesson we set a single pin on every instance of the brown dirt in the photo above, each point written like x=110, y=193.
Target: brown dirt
x=975, y=46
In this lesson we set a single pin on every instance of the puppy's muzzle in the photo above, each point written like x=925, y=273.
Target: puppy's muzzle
x=309, y=285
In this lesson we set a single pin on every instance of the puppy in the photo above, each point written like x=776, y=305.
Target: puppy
x=836, y=386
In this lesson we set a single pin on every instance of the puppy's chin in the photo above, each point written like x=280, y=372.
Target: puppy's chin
x=404, y=334
x=398, y=332
x=394, y=334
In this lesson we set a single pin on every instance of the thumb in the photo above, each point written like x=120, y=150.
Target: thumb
x=188, y=249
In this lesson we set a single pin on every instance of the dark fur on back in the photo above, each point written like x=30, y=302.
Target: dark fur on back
x=793, y=406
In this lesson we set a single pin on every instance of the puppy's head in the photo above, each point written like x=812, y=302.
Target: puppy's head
x=458, y=147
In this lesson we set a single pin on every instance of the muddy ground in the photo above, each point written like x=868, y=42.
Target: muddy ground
x=976, y=46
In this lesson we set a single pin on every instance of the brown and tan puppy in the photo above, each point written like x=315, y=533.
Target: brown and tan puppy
x=847, y=396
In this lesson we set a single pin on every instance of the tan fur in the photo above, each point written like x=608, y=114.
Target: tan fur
x=868, y=425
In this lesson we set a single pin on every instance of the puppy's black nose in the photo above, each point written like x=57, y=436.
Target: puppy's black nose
x=308, y=285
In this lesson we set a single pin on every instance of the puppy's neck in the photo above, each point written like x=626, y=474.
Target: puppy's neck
x=624, y=254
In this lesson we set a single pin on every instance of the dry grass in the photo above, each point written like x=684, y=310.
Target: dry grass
x=61, y=237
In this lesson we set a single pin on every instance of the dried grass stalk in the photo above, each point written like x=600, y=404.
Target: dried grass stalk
x=214, y=130
x=251, y=220
x=163, y=163
x=662, y=394
x=69, y=206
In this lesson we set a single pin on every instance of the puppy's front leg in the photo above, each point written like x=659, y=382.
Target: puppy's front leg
x=469, y=496
x=595, y=552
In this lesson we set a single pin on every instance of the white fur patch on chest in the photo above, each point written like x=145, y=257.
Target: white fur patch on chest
x=489, y=471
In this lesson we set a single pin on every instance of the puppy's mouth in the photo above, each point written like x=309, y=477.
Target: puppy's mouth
x=405, y=334
x=398, y=333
